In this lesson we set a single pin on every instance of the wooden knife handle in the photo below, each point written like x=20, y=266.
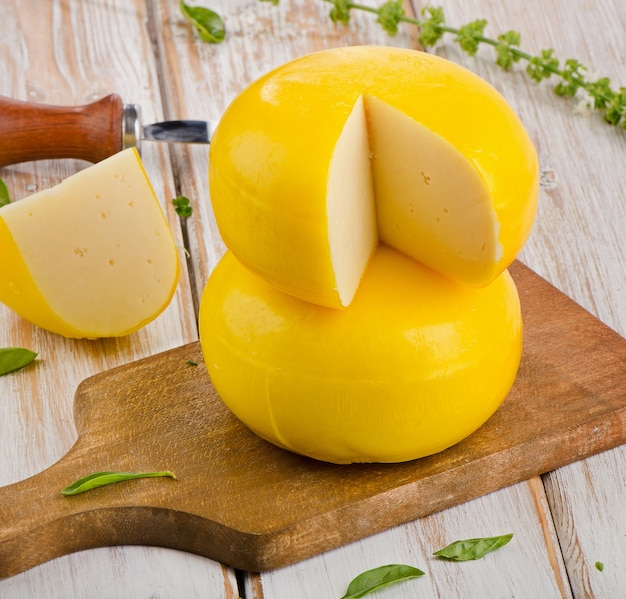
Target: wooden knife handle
x=31, y=131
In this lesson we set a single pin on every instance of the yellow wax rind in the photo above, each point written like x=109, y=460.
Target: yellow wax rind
x=288, y=142
x=414, y=365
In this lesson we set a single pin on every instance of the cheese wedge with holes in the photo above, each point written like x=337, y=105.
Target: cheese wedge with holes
x=91, y=257
x=319, y=161
x=415, y=364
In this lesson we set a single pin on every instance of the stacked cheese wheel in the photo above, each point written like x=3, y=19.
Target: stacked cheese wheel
x=371, y=200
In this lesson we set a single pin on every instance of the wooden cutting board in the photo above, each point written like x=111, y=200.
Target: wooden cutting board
x=248, y=504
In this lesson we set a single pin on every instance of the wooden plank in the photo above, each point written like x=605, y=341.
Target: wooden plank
x=73, y=52
x=515, y=568
x=246, y=503
x=577, y=243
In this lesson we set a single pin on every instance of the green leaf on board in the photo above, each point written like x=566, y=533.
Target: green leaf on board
x=208, y=23
x=14, y=358
x=100, y=479
x=470, y=549
x=378, y=578
x=599, y=566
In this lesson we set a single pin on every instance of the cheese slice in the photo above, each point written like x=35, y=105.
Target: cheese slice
x=91, y=257
x=320, y=160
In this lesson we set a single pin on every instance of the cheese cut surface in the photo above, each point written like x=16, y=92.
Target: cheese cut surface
x=351, y=210
x=455, y=175
x=91, y=257
x=415, y=363
x=431, y=203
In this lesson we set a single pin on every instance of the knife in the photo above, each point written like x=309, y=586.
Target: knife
x=91, y=132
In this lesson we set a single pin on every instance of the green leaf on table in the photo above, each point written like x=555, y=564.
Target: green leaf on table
x=431, y=29
x=599, y=566
x=182, y=206
x=378, y=578
x=208, y=23
x=469, y=549
x=14, y=358
x=100, y=479
x=4, y=194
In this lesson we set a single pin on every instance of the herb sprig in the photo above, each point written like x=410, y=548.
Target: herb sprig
x=597, y=93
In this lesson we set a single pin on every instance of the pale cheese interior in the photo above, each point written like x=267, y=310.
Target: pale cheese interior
x=350, y=203
x=430, y=202
x=98, y=246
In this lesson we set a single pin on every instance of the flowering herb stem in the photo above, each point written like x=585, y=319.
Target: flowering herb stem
x=597, y=93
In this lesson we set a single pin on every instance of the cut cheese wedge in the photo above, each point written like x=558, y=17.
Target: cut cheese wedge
x=317, y=162
x=91, y=257
x=414, y=365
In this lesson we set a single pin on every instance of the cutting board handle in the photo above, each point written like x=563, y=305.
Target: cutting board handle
x=40, y=524
x=30, y=131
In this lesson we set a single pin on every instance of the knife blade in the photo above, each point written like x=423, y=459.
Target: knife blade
x=92, y=132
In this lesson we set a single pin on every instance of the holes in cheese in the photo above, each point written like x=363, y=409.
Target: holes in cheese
x=431, y=203
x=453, y=174
x=91, y=257
x=426, y=200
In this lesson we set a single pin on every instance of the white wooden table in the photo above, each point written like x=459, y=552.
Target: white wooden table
x=75, y=51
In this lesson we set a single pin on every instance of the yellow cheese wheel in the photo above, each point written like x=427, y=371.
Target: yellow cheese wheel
x=414, y=365
x=316, y=162
x=91, y=257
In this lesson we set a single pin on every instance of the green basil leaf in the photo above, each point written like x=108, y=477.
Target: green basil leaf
x=100, y=479
x=469, y=549
x=599, y=566
x=378, y=578
x=14, y=358
x=207, y=22
x=4, y=194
